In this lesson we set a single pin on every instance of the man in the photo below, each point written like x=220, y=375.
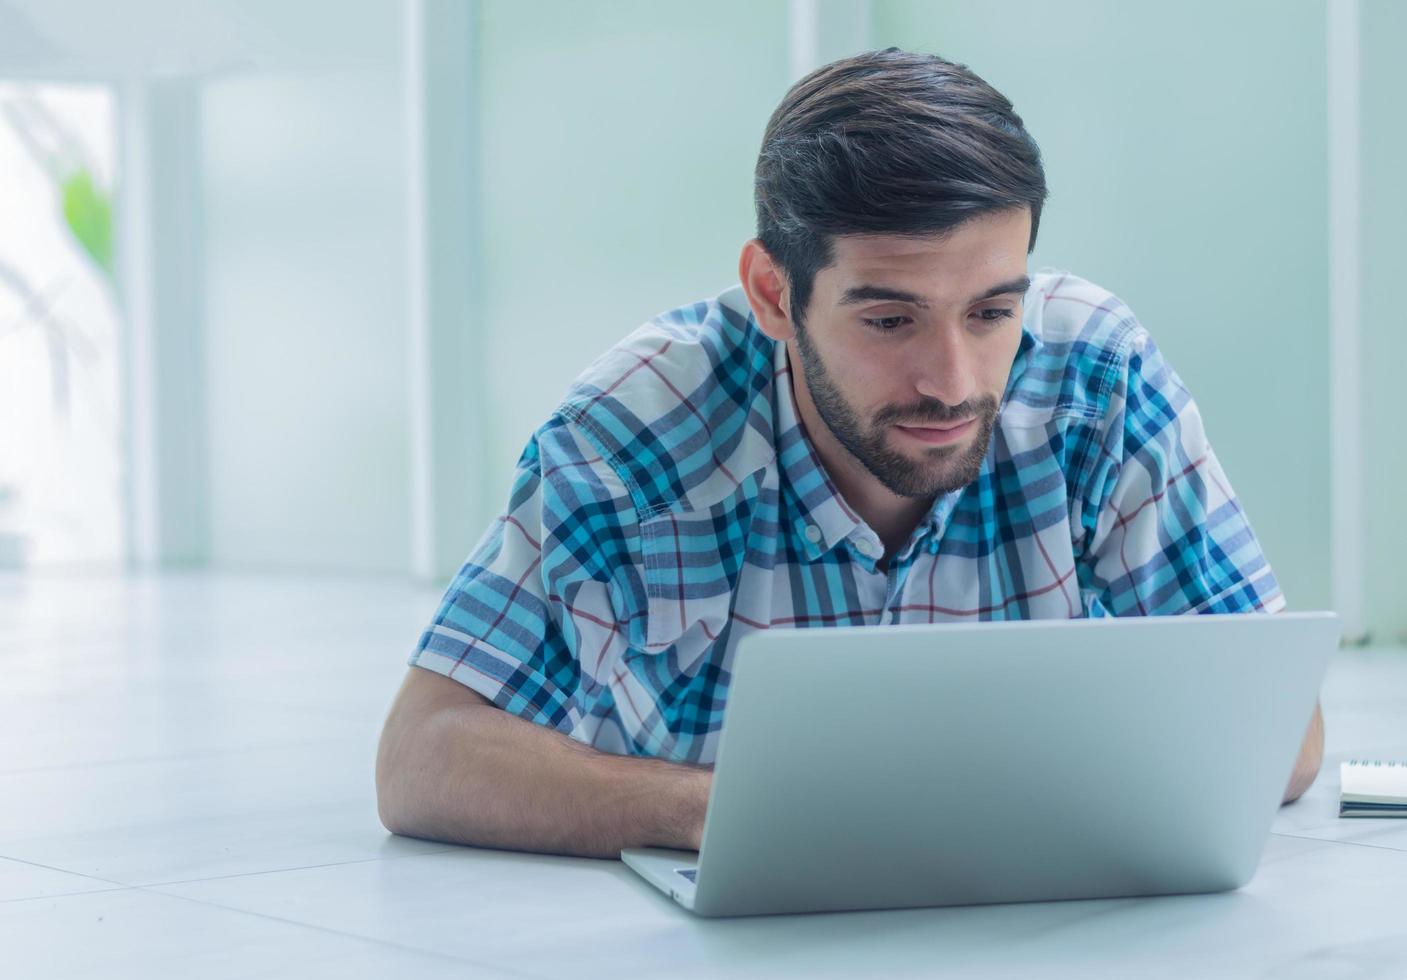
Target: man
x=887, y=422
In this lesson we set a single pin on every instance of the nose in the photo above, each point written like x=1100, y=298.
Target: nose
x=946, y=367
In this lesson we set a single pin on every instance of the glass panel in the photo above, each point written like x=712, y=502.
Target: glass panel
x=61, y=434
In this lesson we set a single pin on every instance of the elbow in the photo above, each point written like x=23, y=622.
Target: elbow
x=390, y=786
x=386, y=809
x=1301, y=782
x=389, y=820
x=423, y=773
x=1311, y=758
x=412, y=770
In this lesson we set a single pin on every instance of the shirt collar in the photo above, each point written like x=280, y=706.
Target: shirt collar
x=1030, y=340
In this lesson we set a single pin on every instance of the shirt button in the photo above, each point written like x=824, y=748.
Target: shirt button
x=813, y=534
x=864, y=547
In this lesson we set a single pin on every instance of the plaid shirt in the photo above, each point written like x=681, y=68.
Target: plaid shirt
x=672, y=504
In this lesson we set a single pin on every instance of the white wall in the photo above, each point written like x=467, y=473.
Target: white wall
x=619, y=143
x=1384, y=333
x=609, y=178
x=306, y=314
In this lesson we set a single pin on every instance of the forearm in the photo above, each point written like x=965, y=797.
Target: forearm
x=1310, y=758
x=478, y=775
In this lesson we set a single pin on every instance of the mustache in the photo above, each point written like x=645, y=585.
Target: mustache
x=933, y=411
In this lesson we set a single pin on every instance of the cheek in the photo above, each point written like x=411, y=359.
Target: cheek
x=998, y=369
x=994, y=375
x=872, y=379
x=871, y=373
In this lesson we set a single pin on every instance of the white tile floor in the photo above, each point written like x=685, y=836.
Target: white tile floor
x=186, y=772
x=192, y=728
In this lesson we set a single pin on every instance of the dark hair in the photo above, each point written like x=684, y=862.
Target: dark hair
x=887, y=142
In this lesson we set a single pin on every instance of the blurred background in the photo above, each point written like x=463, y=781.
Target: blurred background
x=284, y=287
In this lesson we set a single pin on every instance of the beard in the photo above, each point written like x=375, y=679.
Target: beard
x=942, y=469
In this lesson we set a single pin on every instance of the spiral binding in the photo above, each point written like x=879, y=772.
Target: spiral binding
x=1390, y=764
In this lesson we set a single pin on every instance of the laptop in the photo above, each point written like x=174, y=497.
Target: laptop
x=957, y=764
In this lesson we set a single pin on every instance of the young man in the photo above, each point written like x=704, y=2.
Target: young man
x=887, y=422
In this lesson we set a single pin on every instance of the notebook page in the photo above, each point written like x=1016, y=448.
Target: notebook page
x=1373, y=781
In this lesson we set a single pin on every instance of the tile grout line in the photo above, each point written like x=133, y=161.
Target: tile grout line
x=50, y=867
x=1336, y=840
x=449, y=957
x=86, y=891
x=141, y=760
x=118, y=885
x=153, y=890
x=303, y=867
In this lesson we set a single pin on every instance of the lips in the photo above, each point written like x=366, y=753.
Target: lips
x=941, y=426
x=937, y=435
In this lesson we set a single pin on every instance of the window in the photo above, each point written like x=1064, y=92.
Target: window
x=61, y=460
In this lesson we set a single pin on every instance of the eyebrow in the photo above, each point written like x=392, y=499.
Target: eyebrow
x=866, y=293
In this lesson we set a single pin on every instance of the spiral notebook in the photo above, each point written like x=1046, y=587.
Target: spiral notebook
x=1372, y=788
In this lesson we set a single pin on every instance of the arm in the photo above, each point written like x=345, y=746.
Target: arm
x=1311, y=756
x=451, y=766
x=488, y=741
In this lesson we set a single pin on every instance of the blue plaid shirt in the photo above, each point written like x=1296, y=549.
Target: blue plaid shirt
x=672, y=504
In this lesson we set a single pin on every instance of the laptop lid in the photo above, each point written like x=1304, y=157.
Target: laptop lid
x=899, y=766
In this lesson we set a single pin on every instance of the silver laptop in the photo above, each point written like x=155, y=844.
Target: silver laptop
x=957, y=764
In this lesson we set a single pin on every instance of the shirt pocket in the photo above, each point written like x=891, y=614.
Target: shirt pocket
x=691, y=562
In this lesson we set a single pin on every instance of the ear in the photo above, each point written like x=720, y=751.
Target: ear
x=768, y=292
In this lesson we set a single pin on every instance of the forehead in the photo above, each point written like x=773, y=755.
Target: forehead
x=991, y=247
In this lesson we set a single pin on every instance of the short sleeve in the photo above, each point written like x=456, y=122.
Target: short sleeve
x=1164, y=533
x=538, y=616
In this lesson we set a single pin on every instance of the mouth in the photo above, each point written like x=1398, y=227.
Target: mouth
x=938, y=435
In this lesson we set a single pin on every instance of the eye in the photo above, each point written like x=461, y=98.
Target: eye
x=885, y=324
x=997, y=313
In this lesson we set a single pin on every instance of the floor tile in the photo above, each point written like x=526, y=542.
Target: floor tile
x=608, y=923
x=257, y=810
x=137, y=935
